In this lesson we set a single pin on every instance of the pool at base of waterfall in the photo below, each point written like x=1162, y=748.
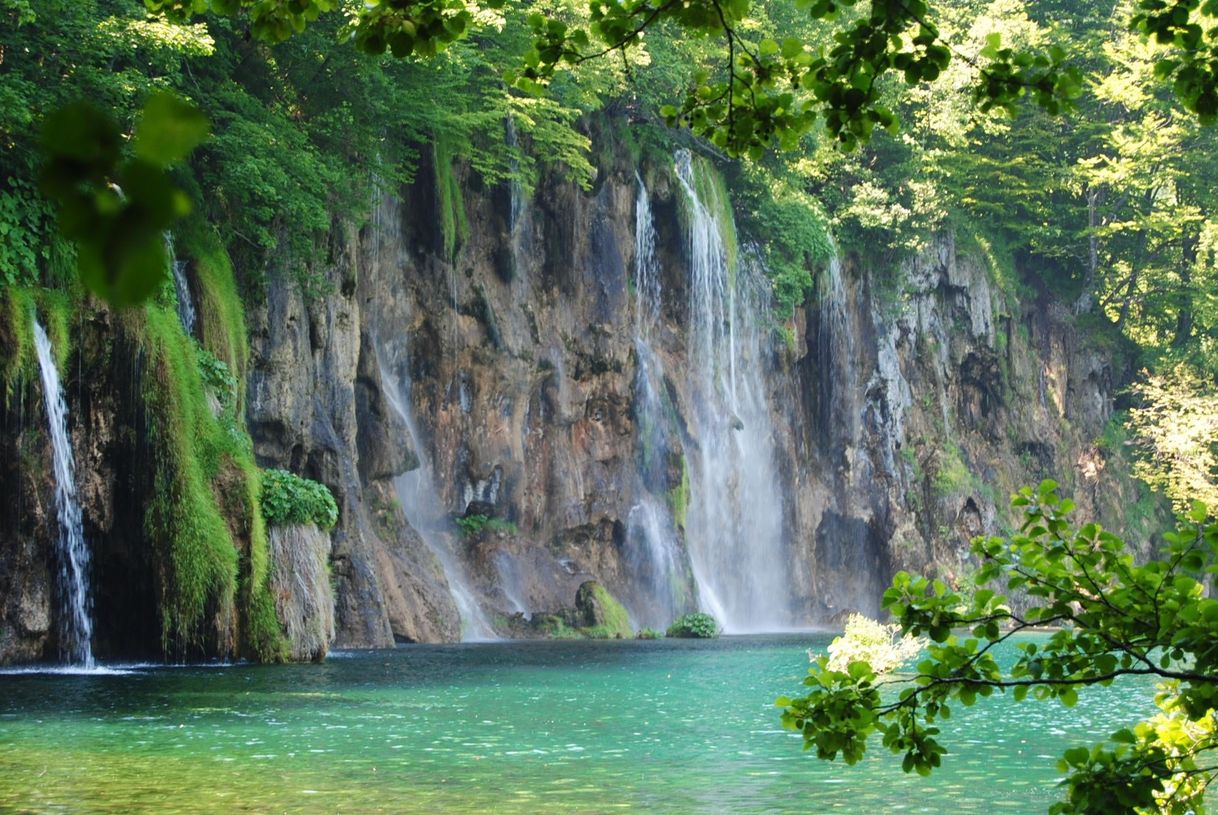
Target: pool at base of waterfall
x=669, y=727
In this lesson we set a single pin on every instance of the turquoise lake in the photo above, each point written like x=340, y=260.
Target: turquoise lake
x=669, y=727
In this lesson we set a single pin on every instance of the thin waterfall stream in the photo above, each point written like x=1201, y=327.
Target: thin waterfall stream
x=186, y=305
x=424, y=511
x=734, y=526
x=656, y=556
x=75, y=622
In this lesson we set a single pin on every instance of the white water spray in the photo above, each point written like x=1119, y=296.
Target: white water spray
x=76, y=626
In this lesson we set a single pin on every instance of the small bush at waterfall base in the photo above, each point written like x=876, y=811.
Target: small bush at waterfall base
x=649, y=634
x=694, y=626
x=289, y=499
x=865, y=640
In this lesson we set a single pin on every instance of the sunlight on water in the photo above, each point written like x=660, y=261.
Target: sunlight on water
x=668, y=727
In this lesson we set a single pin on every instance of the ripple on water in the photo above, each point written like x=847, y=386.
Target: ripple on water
x=517, y=729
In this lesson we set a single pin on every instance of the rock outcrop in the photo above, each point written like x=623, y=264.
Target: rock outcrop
x=300, y=584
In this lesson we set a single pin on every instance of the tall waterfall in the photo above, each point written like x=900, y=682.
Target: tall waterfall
x=654, y=555
x=76, y=626
x=734, y=525
x=186, y=304
x=425, y=511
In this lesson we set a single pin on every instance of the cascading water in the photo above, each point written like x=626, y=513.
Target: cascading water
x=734, y=523
x=424, y=510
x=518, y=213
x=76, y=626
x=837, y=361
x=654, y=556
x=186, y=304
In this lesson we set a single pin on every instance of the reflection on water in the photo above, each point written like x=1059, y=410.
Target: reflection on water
x=669, y=727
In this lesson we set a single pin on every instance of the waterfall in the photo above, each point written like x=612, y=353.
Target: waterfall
x=654, y=553
x=518, y=215
x=186, y=305
x=734, y=523
x=510, y=583
x=837, y=362
x=424, y=511
x=76, y=626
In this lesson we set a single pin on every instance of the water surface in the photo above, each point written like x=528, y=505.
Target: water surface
x=668, y=727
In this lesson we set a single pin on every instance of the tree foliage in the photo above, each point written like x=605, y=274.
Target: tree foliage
x=1176, y=430
x=1112, y=619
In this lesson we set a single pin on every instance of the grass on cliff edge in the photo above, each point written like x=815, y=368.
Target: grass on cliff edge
x=204, y=518
x=18, y=356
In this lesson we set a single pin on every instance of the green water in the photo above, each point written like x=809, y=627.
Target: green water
x=668, y=727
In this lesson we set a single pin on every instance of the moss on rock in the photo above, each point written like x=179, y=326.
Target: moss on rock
x=599, y=614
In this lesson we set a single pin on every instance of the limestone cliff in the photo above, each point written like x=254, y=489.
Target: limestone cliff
x=902, y=417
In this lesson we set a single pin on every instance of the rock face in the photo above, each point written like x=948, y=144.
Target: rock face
x=300, y=584
x=919, y=410
x=539, y=386
x=27, y=516
x=901, y=418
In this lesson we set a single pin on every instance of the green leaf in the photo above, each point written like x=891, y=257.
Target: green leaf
x=126, y=269
x=169, y=128
x=1077, y=756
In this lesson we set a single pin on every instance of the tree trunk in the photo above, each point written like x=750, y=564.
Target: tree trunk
x=1086, y=300
x=1184, y=317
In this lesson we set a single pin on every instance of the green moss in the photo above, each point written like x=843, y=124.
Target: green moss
x=204, y=519
x=18, y=355
x=472, y=525
x=678, y=496
x=55, y=311
x=617, y=619
x=555, y=627
x=195, y=553
x=711, y=189
x=454, y=228
x=221, y=315
x=953, y=475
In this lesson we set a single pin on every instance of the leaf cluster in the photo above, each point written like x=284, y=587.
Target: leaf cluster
x=289, y=499
x=1112, y=618
x=117, y=207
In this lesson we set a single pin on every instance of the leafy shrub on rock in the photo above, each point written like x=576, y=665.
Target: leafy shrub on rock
x=472, y=525
x=289, y=499
x=694, y=626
